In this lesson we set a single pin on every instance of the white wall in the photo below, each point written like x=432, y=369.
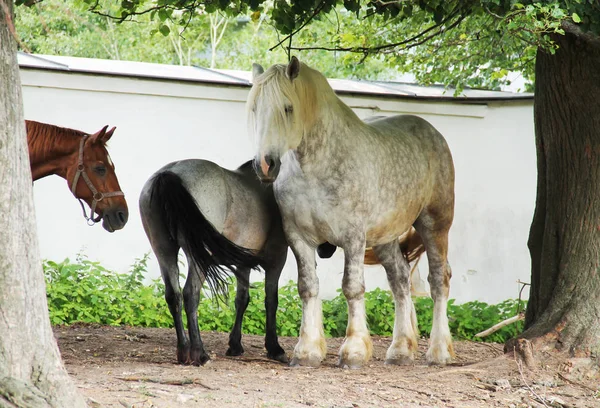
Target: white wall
x=161, y=121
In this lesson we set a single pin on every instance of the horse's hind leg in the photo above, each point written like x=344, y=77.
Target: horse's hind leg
x=166, y=251
x=404, y=344
x=167, y=261
x=435, y=237
x=191, y=299
x=242, y=298
x=272, y=274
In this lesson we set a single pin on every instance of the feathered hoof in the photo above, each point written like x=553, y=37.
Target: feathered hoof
x=440, y=354
x=402, y=351
x=312, y=361
x=400, y=361
x=351, y=364
x=355, y=352
x=309, y=352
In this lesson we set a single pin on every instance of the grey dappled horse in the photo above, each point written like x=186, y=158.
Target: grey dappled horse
x=354, y=184
x=219, y=218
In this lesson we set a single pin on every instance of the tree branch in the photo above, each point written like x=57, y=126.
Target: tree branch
x=572, y=28
x=388, y=47
x=496, y=327
x=130, y=14
x=313, y=15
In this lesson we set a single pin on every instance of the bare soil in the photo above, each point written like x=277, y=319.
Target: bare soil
x=136, y=367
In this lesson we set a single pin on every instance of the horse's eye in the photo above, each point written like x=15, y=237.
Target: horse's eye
x=289, y=109
x=100, y=170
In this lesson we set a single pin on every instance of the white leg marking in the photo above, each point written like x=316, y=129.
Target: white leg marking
x=404, y=344
x=358, y=347
x=440, y=342
x=311, y=348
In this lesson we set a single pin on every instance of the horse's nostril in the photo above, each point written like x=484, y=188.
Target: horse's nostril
x=270, y=162
x=122, y=216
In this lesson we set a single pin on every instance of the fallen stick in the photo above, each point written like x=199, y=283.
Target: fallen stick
x=500, y=325
x=577, y=383
x=187, y=381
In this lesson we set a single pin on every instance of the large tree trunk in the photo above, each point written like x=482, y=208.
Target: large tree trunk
x=564, y=302
x=31, y=373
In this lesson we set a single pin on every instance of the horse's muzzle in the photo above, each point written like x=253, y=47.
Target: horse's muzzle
x=114, y=219
x=267, y=168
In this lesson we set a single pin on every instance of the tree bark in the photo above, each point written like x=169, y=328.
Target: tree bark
x=564, y=241
x=31, y=372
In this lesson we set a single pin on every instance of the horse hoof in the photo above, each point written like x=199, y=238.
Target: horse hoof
x=439, y=361
x=199, y=359
x=349, y=365
x=441, y=354
x=305, y=362
x=183, y=355
x=282, y=357
x=234, y=352
x=400, y=361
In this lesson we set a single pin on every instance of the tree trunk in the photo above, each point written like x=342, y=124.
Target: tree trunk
x=564, y=241
x=31, y=373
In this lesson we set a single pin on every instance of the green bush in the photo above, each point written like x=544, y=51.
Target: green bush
x=85, y=291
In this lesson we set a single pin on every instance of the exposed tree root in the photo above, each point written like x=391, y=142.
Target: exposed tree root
x=522, y=350
x=18, y=394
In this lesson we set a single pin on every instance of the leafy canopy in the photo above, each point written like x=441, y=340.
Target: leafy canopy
x=454, y=42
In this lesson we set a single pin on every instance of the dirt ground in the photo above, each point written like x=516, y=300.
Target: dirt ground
x=135, y=367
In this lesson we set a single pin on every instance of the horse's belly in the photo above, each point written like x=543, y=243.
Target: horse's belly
x=387, y=226
x=248, y=223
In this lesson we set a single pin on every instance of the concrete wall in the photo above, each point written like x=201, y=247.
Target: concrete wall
x=161, y=121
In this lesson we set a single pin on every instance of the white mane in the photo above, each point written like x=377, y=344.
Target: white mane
x=272, y=92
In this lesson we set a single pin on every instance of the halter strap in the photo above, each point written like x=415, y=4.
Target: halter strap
x=96, y=195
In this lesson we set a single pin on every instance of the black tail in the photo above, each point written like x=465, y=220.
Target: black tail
x=212, y=252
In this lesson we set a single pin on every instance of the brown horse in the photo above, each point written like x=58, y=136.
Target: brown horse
x=411, y=246
x=82, y=160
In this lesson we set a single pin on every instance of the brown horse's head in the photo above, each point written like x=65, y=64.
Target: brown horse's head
x=92, y=179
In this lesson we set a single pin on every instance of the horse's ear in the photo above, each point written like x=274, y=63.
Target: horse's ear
x=99, y=135
x=257, y=70
x=293, y=69
x=108, y=135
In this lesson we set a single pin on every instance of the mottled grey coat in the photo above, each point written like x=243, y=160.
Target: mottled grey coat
x=354, y=184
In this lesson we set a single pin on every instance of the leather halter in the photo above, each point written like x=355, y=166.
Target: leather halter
x=97, y=196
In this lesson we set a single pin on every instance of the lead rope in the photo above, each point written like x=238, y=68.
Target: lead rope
x=96, y=196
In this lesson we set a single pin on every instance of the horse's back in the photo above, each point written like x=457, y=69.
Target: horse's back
x=230, y=200
x=423, y=140
x=410, y=127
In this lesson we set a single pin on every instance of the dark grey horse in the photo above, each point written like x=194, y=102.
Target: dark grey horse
x=354, y=184
x=222, y=220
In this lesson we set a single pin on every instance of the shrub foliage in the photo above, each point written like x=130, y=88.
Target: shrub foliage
x=85, y=291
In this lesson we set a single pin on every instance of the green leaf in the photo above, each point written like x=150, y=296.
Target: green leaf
x=575, y=17
x=164, y=30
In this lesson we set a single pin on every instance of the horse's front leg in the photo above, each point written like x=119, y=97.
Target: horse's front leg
x=311, y=348
x=272, y=274
x=404, y=344
x=358, y=347
x=242, y=298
